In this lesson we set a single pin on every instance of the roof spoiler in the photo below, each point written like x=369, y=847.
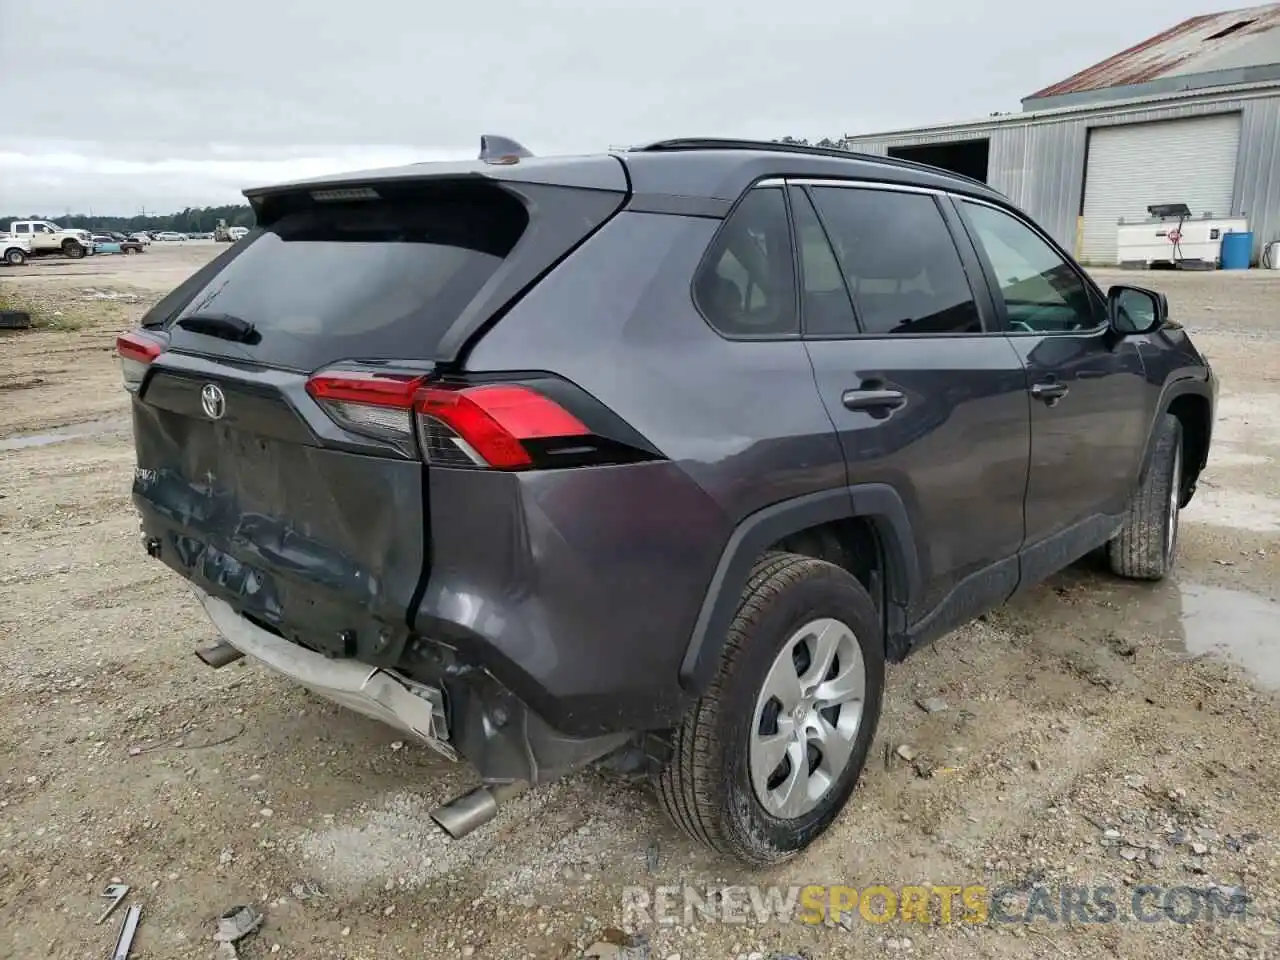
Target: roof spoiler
x=496, y=149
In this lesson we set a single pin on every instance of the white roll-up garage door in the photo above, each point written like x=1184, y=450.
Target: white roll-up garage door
x=1132, y=166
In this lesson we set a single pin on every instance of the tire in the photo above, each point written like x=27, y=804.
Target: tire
x=15, y=257
x=710, y=786
x=1147, y=544
x=72, y=249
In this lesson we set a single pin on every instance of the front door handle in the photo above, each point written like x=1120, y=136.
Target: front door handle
x=877, y=400
x=1050, y=392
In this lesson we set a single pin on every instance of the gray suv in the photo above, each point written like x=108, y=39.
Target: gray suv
x=652, y=458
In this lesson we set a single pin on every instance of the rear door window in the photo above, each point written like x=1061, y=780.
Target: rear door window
x=824, y=301
x=367, y=280
x=899, y=261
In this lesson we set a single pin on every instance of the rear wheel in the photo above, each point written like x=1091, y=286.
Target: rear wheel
x=1147, y=544
x=15, y=257
x=766, y=759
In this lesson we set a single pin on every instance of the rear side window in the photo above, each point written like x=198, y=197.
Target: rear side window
x=746, y=285
x=371, y=280
x=899, y=260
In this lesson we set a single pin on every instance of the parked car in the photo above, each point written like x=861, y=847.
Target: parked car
x=117, y=243
x=102, y=243
x=142, y=237
x=169, y=236
x=14, y=250
x=677, y=446
x=237, y=233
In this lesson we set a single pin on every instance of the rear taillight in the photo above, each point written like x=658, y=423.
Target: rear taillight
x=489, y=426
x=372, y=404
x=136, y=351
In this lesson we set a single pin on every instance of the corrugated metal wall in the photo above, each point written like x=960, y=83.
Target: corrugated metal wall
x=1041, y=169
x=1039, y=164
x=1258, y=170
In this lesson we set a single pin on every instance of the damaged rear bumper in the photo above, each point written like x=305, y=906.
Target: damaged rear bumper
x=413, y=708
x=466, y=716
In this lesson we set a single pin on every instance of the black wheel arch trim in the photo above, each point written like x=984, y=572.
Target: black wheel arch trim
x=1174, y=389
x=876, y=502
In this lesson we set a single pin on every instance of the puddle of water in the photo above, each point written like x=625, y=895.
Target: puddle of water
x=1230, y=508
x=1235, y=626
x=78, y=431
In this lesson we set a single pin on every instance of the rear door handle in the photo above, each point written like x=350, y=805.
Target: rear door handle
x=879, y=400
x=1050, y=392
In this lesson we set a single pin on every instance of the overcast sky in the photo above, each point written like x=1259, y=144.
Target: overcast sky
x=116, y=106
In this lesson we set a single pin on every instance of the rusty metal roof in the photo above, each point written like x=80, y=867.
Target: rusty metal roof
x=1174, y=51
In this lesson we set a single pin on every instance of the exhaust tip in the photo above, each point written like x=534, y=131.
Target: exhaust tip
x=461, y=815
x=218, y=655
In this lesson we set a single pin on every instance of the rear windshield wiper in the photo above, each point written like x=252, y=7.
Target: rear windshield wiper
x=221, y=325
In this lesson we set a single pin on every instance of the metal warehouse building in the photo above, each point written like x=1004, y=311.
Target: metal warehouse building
x=1190, y=116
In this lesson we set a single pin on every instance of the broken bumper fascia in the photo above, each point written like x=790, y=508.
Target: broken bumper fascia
x=413, y=708
x=473, y=719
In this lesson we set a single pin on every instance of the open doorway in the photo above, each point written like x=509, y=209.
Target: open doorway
x=965, y=157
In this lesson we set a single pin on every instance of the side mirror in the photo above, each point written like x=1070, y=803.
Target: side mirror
x=1135, y=310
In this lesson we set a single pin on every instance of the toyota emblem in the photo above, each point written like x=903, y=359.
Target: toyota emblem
x=213, y=401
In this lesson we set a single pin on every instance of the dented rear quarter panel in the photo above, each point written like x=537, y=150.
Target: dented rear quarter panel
x=577, y=589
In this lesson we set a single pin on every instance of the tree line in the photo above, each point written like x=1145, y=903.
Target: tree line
x=826, y=142
x=190, y=220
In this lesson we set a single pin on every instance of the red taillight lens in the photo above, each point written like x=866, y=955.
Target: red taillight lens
x=136, y=351
x=488, y=424
x=376, y=404
x=457, y=425
x=375, y=389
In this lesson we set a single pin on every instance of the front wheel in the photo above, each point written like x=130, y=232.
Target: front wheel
x=1147, y=544
x=764, y=762
x=73, y=250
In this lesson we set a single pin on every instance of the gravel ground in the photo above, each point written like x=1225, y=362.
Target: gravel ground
x=1095, y=733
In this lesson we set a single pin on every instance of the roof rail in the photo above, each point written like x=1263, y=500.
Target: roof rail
x=719, y=143
x=725, y=143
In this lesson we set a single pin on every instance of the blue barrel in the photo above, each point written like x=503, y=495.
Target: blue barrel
x=1237, y=248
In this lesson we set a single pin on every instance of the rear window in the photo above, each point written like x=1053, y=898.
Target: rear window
x=367, y=280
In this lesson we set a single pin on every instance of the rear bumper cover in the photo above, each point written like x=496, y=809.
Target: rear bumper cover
x=476, y=720
x=413, y=708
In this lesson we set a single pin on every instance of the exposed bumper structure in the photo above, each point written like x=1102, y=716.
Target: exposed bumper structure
x=414, y=708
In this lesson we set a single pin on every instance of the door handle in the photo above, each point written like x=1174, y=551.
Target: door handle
x=1050, y=392
x=878, y=400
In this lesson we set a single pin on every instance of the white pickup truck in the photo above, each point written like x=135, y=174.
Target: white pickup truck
x=49, y=239
x=14, y=251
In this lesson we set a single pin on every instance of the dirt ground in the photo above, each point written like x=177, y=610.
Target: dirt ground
x=1096, y=733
